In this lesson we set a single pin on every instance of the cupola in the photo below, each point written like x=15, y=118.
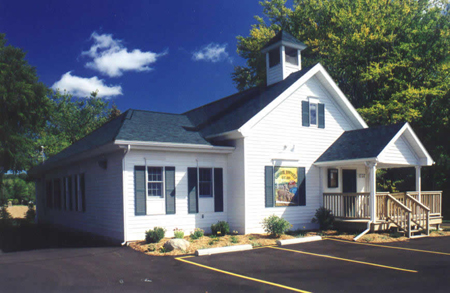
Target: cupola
x=283, y=56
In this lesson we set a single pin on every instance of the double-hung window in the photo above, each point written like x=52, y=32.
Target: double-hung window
x=205, y=182
x=155, y=183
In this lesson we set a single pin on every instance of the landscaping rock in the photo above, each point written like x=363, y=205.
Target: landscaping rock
x=180, y=244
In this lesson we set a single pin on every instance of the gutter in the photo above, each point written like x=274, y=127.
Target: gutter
x=168, y=146
x=127, y=150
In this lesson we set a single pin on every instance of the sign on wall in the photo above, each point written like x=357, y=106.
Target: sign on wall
x=286, y=186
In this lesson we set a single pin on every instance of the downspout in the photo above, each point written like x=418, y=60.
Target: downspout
x=364, y=232
x=123, y=197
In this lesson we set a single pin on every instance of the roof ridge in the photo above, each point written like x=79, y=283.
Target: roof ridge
x=150, y=111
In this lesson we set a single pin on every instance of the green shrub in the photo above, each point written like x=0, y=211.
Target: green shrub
x=15, y=201
x=155, y=235
x=234, y=239
x=221, y=228
x=198, y=233
x=178, y=233
x=275, y=225
x=324, y=217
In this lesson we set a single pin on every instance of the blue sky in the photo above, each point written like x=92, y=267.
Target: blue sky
x=167, y=56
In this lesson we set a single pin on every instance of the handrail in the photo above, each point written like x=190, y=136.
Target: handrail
x=417, y=202
x=399, y=203
x=424, y=192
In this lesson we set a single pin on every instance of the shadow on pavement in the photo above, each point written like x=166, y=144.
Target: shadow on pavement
x=24, y=236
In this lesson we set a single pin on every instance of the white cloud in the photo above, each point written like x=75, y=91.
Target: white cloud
x=212, y=52
x=111, y=58
x=82, y=87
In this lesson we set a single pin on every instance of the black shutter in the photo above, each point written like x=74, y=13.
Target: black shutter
x=321, y=115
x=192, y=191
x=218, y=189
x=170, y=190
x=140, y=200
x=305, y=113
x=269, y=191
x=301, y=186
x=83, y=192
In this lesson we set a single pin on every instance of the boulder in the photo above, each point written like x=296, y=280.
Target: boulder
x=180, y=244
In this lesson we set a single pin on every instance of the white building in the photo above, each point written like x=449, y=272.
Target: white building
x=285, y=149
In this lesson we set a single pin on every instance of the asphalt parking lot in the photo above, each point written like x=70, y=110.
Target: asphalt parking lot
x=323, y=266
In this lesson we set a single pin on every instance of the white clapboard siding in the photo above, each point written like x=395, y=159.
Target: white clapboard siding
x=103, y=190
x=274, y=74
x=236, y=187
x=362, y=176
x=400, y=152
x=290, y=68
x=280, y=134
x=137, y=225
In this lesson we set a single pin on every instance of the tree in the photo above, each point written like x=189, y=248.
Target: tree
x=390, y=58
x=24, y=107
x=71, y=119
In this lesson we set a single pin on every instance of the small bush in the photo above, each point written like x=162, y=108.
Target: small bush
x=221, y=228
x=256, y=244
x=275, y=226
x=30, y=215
x=198, y=233
x=234, y=239
x=178, y=233
x=151, y=247
x=155, y=235
x=324, y=217
x=15, y=201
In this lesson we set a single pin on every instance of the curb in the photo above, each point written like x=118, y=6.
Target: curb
x=216, y=250
x=298, y=240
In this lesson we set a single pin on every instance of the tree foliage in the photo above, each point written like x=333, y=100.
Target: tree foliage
x=71, y=119
x=24, y=108
x=390, y=58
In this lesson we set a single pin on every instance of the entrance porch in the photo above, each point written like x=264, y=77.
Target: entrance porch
x=349, y=182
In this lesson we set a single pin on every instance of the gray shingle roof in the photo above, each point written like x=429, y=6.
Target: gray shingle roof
x=361, y=143
x=283, y=36
x=232, y=112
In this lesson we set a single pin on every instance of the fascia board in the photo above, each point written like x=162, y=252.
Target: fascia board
x=345, y=162
x=150, y=145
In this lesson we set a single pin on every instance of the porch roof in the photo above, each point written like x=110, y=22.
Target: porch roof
x=392, y=146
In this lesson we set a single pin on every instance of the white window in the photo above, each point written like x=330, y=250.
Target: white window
x=313, y=114
x=155, y=182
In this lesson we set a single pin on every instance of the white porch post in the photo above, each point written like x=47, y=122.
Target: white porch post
x=418, y=183
x=373, y=189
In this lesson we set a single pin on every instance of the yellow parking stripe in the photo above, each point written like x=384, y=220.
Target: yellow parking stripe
x=241, y=276
x=393, y=247
x=348, y=260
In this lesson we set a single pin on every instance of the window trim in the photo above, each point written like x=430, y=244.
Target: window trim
x=330, y=170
